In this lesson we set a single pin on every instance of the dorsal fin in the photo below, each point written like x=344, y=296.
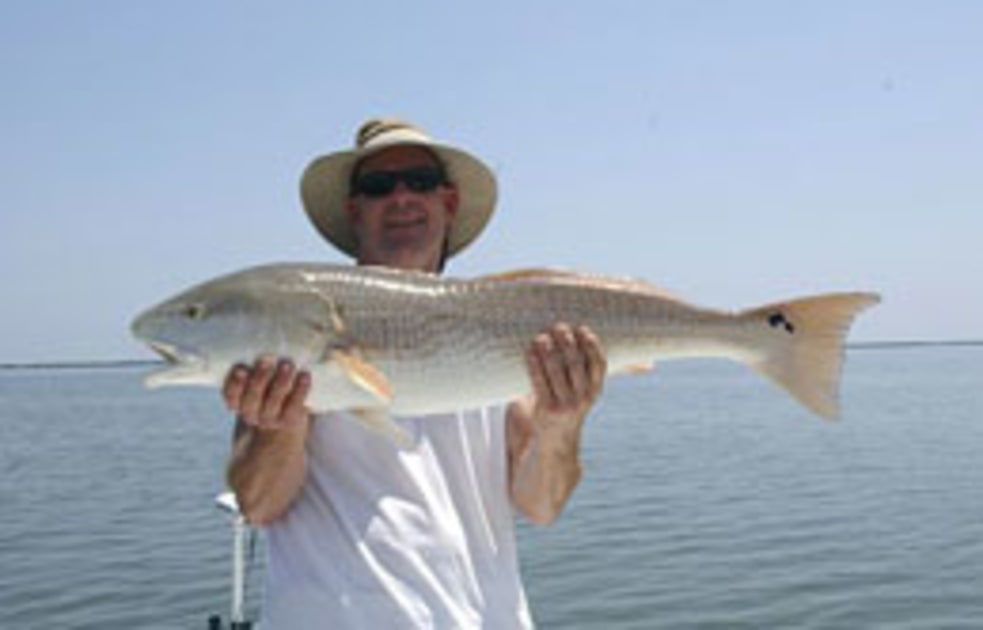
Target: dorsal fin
x=576, y=278
x=529, y=273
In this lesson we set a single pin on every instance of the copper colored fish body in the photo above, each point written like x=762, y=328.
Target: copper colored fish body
x=410, y=343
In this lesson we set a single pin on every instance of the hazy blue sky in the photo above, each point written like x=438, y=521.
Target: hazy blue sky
x=733, y=152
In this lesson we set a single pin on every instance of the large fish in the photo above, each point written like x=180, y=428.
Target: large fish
x=381, y=341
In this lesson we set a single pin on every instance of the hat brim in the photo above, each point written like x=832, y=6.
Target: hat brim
x=324, y=190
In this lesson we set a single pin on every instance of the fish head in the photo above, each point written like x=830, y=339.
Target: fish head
x=204, y=331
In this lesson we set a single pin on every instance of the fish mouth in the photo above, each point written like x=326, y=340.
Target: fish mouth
x=170, y=354
x=181, y=367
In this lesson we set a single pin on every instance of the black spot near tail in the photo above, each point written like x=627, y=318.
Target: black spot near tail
x=777, y=319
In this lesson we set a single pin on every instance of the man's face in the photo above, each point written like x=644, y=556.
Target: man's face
x=404, y=228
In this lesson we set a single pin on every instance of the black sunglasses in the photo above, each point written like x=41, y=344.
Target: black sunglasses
x=381, y=183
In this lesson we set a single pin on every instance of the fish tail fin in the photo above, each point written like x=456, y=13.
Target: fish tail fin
x=804, y=351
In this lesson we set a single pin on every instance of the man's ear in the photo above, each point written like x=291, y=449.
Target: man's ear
x=353, y=211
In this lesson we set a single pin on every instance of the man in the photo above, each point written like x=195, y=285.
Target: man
x=362, y=533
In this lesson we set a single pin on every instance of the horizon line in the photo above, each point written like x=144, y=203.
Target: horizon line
x=122, y=363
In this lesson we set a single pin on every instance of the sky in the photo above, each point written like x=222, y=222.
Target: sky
x=734, y=153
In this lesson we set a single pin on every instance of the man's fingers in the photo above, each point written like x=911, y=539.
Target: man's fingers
x=597, y=363
x=235, y=385
x=537, y=371
x=574, y=364
x=255, y=391
x=280, y=386
x=570, y=366
x=554, y=365
x=294, y=407
x=270, y=395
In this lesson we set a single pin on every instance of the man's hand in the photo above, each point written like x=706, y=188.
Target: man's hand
x=269, y=396
x=268, y=463
x=566, y=366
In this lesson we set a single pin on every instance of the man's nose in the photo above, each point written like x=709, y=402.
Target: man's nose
x=403, y=193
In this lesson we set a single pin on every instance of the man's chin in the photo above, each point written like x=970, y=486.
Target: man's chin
x=410, y=238
x=408, y=256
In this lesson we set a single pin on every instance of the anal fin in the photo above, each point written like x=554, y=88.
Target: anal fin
x=379, y=421
x=363, y=374
x=636, y=368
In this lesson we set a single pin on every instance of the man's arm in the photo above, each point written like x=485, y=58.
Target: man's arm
x=268, y=463
x=566, y=367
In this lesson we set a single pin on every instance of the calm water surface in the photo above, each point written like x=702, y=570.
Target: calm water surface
x=709, y=501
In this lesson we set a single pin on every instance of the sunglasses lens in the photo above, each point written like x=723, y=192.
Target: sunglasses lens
x=382, y=183
x=422, y=179
x=377, y=184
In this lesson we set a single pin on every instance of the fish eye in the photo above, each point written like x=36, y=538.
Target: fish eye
x=194, y=311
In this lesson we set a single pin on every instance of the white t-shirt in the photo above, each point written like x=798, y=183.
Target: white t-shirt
x=382, y=537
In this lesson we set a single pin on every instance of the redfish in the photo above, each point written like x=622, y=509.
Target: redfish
x=382, y=341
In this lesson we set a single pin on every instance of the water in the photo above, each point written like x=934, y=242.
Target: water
x=709, y=501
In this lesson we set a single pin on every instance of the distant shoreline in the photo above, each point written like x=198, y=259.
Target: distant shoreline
x=890, y=345
x=136, y=363
x=76, y=365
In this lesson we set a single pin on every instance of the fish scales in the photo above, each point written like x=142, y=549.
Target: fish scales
x=408, y=342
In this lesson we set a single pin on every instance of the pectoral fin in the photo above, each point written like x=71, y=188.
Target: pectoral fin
x=344, y=351
x=363, y=374
x=636, y=368
x=379, y=421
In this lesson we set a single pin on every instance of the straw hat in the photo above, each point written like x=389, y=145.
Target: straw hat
x=324, y=187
